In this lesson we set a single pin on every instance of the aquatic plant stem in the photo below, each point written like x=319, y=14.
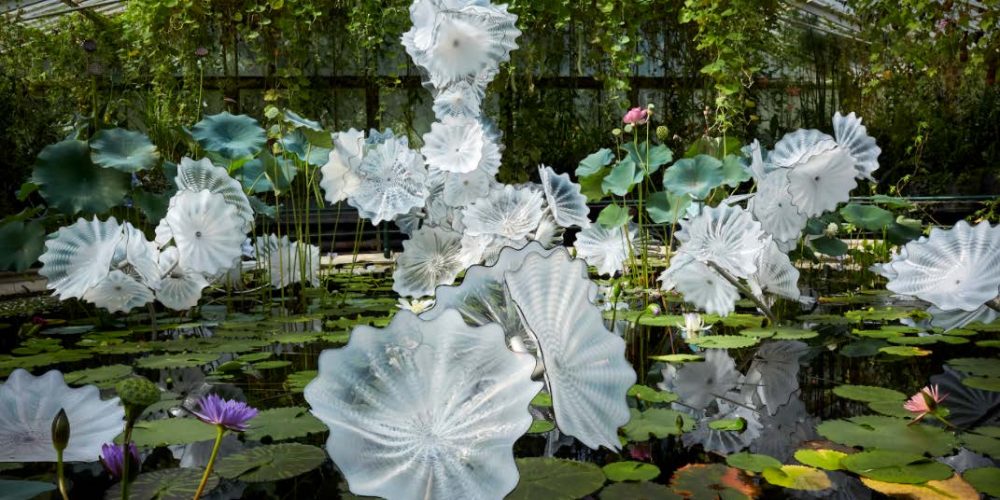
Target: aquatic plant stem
x=219, y=431
x=130, y=418
x=61, y=476
x=744, y=290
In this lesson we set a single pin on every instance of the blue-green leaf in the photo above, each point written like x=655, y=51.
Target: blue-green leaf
x=594, y=162
x=123, y=150
x=695, y=177
x=621, y=179
x=230, y=136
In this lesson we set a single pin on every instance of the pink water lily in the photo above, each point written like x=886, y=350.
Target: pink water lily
x=925, y=402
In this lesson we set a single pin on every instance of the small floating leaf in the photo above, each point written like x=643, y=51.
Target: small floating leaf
x=556, y=479
x=646, y=393
x=868, y=393
x=284, y=423
x=797, y=477
x=678, y=358
x=984, y=479
x=821, y=459
x=955, y=487
x=271, y=463
x=723, y=341
x=896, y=467
x=752, y=462
x=904, y=351
x=985, y=383
x=631, y=471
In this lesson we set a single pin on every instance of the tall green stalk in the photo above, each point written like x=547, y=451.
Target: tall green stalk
x=219, y=432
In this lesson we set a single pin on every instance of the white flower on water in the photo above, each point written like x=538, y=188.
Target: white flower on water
x=415, y=306
x=693, y=326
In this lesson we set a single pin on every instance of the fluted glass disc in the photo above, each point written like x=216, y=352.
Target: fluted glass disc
x=431, y=257
x=567, y=205
x=79, y=256
x=203, y=175
x=203, y=230
x=851, y=134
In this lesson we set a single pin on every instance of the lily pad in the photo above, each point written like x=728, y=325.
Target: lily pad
x=271, y=463
x=984, y=479
x=979, y=440
x=646, y=393
x=171, y=431
x=23, y=490
x=954, y=487
x=540, y=427
x=230, y=136
x=555, y=479
x=991, y=384
x=821, y=459
x=181, y=360
x=542, y=399
x=280, y=424
x=797, y=477
x=678, y=358
x=164, y=484
x=123, y=150
x=656, y=422
x=904, y=351
x=638, y=491
x=631, y=471
x=888, y=433
x=752, y=462
x=70, y=182
x=896, y=467
x=868, y=393
x=867, y=217
x=102, y=376
x=723, y=341
x=779, y=333
x=728, y=424
x=712, y=481
x=20, y=244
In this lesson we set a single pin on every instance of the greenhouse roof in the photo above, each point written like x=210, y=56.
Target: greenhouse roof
x=39, y=12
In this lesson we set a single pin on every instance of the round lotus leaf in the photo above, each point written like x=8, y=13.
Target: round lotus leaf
x=646, y=393
x=296, y=382
x=985, y=480
x=104, y=377
x=678, y=358
x=664, y=207
x=867, y=217
x=904, y=351
x=656, y=422
x=888, y=433
x=734, y=172
x=752, y=462
x=18, y=490
x=621, y=179
x=123, y=150
x=889, y=408
x=181, y=360
x=797, y=477
x=868, y=393
x=253, y=177
x=896, y=467
x=230, y=136
x=280, y=424
x=271, y=463
x=555, y=479
x=979, y=442
x=20, y=244
x=164, y=484
x=631, y=471
x=821, y=459
x=694, y=177
x=712, y=481
x=297, y=144
x=638, y=491
x=739, y=320
x=779, y=333
x=953, y=487
x=171, y=431
x=723, y=341
x=70, y=182
x=594, y=162
x=991, y=384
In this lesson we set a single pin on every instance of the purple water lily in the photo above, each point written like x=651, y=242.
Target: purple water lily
x=112, y=458
x=232, y=415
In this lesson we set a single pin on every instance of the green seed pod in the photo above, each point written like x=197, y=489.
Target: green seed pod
x=138, y=393
x=662, y=133
x=60, y=431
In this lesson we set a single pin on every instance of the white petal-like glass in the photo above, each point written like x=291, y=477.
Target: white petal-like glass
x=288, y=262
x=823, y=181
x=79, y=256
x=431, y=257
x=698, y=384
x=461, y=190
x=339, y=175
x=956, y=268
x=798, y=146
x=425, y=408
x=119, y=292
x=28, y=404
x=202, y=226
x=138, y=256
x=725, y=235
x=700, y=285
x=203, y=175
x=566, y=203
x=606, y=249
x=773, y=207
x=957, y=318
x=459, y=145
x=180, y=289
x=510, y=212
x=774, y=372
x=392, y=183
x=851, y=134
x=460, y=100
x=775, y=274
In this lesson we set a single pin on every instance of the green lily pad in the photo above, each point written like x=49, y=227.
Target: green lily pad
x=821, y=459
x=862, y=348
x=555, y=479
x=890, y=408
x=833, y=247
x=723, y=341
x=896, y=467
x=180, y=360
x=991, y=384
x=797, y=477
x=694, y=177
x=230, y=136
x=20, y=244
x=740, y=320
x=272, y=364
x=153, y=205
x=540, y=427
x=868, y=393
x=752, y=462
x=23, y=490
x=164, y=484
x=678, y=358
x=728, y=424
x=867, y=217
x=928, y=340
x=979, y=440
x=70, y=182
x=904, y=351
x=988, y=343
x=984, y=480
x=297, y=381
x=779, y=333
x=888, y=433
x=271, y=463
x=280, y=424
x=123, y=150
x=877, y=334
x=823, y=319
x=712, y=481
x=638, y=491
x=646, y=393
x=542, y=400
x=170, y=431
x=656, y=422
x=631, y=471
x=101, y=376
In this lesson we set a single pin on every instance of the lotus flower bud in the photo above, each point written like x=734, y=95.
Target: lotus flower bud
x=653, y=309
x=662, y=133
x=628, y=128
x=60, y=431
x=137, y=393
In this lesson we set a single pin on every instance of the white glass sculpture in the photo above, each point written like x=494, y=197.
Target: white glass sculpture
x=566, y=204
x=773, y=207
x=425, y=408
x=119, y=292
x=459, y=100
x=203, y=175
x=730, y=406
x=138, y=256
x=774, y=372
x=459, y=145
x=79, y=256
x=509, y=212
x=288, y=262
x=462, y=190
x=606, y=249
x=725, y=235
x=179, y=289
x=28, y=404
x=201, y=223
x=775, y=275
x=853, y=136
x=699, y=384
x=392, y=181
x=798, y=146
x=823, y=181
x=339, y=175
x=953, y=269
x=431, y=257
x=700, y=285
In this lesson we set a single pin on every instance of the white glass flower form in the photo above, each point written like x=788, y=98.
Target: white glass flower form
x=549, y=233
x=459, y=100
x=460, y=41
x=119, y=292
x=822, y=181
x=566, y=203
x=425, y=408
x=461, y=190
x=957, y=318
x=700, y=285
x=392, y=183
x=202, y=226
x=585, y=366
x=851, y=134
x=137, y=256
x=698, y=384
x=733, y=406
x=773, y=207
x=606, y=249
x=431, y=257
x=28, y=404
x=725, y=235
x=459, y=145
x=798, y=146
x=339, y=175
x=203, y=175
x=79, y=256
x=510, y=212
x=775, y=274
x=288, y=262
x=774, y=372
x=179, y=289
x=957, y=268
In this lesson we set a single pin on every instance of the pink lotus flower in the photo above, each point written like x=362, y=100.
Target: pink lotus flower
x=925, y=402
x=636, y=116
